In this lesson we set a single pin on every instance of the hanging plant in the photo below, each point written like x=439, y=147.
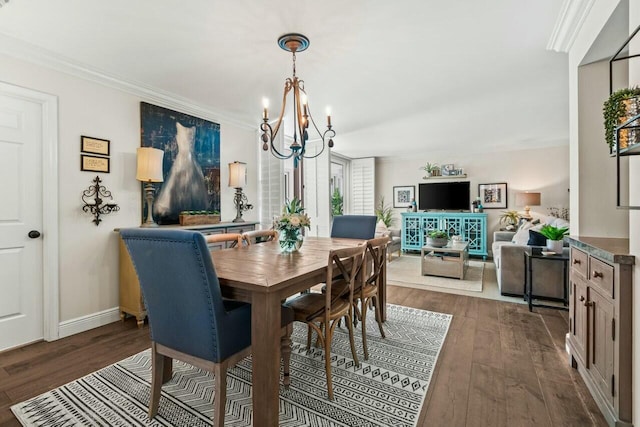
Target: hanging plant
x=614, y=109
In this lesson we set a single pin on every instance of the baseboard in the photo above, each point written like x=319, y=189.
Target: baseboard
x=90, y=321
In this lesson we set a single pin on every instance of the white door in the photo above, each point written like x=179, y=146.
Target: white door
x=21, y=280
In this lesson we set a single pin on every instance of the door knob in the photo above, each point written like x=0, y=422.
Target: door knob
x=581, y=298
x=597, y=274
x=34, y=234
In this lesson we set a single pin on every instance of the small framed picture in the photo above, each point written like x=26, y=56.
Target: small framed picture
x=448, y=169
x=94, y=163
x=493, y=196
x=94, y=145
x=402, y=196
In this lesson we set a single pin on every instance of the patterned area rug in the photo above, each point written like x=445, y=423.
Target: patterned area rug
x=406, y=271
x=386, y=390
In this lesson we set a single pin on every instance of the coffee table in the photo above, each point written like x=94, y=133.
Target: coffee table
x=448, y=261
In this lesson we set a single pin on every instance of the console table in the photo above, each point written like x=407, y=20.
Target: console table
x=471, y=226
x=131, y=301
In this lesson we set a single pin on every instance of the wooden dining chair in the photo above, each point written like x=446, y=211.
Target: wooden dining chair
x=368, y=291
x=321, y=312
x=260, y=236
x=234, y=239
x=189, y=320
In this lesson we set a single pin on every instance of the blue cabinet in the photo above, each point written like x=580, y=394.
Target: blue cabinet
x=471, y=226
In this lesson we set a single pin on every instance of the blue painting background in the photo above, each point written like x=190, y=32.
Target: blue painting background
x=158, y=130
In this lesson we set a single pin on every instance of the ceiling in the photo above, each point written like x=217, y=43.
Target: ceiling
x=429, y=74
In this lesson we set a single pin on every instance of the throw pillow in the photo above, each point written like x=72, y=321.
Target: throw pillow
x=522, y=235
x=536, y=239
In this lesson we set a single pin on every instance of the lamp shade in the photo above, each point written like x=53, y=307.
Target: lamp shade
x=149, y=164
x=237, y=174
x=528, y=199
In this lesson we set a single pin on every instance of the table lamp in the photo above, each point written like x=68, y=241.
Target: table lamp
x=238, y=180
x=527, y=199
x=149, y=171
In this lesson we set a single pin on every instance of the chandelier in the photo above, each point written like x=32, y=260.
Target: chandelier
x=293, y=43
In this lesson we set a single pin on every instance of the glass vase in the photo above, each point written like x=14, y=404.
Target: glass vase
x=290, y=240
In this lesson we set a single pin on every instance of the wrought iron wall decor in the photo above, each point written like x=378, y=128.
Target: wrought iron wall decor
x=98, y=200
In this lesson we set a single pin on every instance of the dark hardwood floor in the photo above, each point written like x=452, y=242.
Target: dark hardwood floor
x=500, y=365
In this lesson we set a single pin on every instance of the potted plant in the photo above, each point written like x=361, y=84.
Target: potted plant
x=554, y=237
x=618, y=108
x=510, y=219
x=437, y=238
x=384, y=213
x=429, y=168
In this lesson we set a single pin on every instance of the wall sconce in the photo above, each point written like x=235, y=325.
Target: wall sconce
x=237, y=180
x=527, y=199
x=149, y=170
x=94, y=199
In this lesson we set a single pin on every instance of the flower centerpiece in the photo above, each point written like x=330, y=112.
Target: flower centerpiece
x=290, y=225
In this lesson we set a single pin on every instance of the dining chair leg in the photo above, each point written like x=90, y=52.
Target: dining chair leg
x=351, y=339
x=363, y=316
x=157, y=369
x=285, y=351
x=309, y=333
x=379, y=315
x=220, y=396
x=328, y=334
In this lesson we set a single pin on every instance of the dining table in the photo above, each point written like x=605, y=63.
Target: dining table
x=264, y=276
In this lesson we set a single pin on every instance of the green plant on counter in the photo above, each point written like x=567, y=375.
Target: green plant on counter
x=614, y=109
x=553, y=233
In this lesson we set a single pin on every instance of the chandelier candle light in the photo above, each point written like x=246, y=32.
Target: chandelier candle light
x=297, y=151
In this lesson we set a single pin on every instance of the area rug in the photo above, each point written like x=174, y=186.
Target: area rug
x=386, y=390
x=406, y=271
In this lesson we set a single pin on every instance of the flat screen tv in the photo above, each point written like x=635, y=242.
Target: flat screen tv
x=446, y=196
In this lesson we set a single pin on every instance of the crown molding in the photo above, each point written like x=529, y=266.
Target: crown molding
x=27, y=52
x=568, y=25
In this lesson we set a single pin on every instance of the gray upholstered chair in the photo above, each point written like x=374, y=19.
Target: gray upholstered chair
x=188, y=318
x=354, y=226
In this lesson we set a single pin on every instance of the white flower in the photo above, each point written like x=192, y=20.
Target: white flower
x=295, y=220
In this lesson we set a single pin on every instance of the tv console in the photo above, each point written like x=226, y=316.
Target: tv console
x=471, y=226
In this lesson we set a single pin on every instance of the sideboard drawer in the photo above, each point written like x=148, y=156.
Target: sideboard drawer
x=579, y=262
x=601, y=275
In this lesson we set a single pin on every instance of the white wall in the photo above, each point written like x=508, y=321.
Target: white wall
x=597, y=170
x=89, y=254
x=545, y=170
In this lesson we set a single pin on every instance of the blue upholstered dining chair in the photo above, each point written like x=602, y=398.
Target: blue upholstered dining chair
x=354, y=226
x=188, y=318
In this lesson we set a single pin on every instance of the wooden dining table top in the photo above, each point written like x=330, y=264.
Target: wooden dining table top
x=263, y=268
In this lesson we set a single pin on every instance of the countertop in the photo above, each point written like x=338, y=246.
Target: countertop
x=610, y=249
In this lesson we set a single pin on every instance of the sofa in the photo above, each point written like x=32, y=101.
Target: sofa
x=508, y=250
x=395, y=241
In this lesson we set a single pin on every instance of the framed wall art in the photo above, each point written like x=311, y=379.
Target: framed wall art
x=493, y=196
x=191, y=164
x=402, y=196
x=92, y=145
x=94, y=163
